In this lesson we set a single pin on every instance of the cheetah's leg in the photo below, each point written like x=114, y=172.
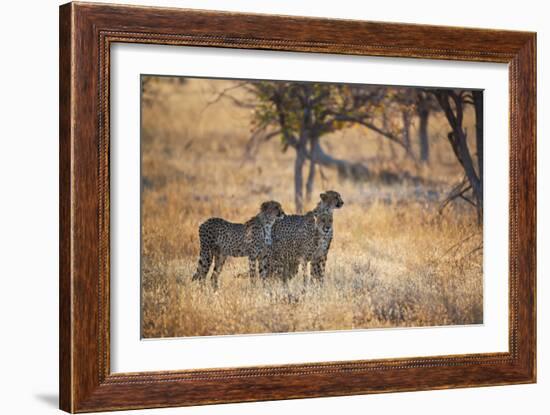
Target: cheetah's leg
x=277, y=267
x=293, y=268
x=219, y=260
x=265, y=263
x=287, y=268
x=205, y=260
x=318, y=269
x=322, y=267
x=252, y=267
x=305, y=274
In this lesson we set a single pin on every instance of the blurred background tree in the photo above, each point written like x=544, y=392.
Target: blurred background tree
x=453, y=104
x=299, y=114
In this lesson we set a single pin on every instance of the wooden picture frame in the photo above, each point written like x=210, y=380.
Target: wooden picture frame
x=86, y=33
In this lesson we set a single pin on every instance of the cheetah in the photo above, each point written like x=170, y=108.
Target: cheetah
x=220, y=239
x=315, y=248
x=291, y=233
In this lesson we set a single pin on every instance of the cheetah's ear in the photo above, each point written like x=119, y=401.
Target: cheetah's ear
x=323, y=197
x=265, y=206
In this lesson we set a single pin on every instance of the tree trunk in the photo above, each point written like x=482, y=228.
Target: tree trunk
x=312, y=164
x=406, y=130
x=462, y=146
x=423, y=115
x=390, y=144
x=298, y=179
x=458, y=140
x=478, y=105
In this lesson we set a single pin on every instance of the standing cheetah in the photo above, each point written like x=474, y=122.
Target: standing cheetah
x=322, y=242
x=220, y=239
x=291, y=233
x=314, y=248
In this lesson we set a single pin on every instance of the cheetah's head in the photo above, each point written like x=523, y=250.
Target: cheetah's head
x=273, y=210
x=332, y=199
x=323, y=222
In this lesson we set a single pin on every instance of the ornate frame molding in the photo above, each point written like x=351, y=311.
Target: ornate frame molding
x=86, y=33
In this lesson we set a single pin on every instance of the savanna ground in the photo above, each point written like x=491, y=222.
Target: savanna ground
x=395, y=261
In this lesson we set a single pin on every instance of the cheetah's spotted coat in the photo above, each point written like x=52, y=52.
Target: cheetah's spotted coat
x=296, y=237
x=220, y=239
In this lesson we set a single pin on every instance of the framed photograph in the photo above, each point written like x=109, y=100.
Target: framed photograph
x=258, y=207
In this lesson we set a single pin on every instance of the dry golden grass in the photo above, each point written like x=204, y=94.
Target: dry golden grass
x=394, y=260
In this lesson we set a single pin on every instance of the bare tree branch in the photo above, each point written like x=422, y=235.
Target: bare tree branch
x=225, y=94
x=392, y=137
x=456, y=192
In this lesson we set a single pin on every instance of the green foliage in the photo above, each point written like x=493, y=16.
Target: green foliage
x=295, y=110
